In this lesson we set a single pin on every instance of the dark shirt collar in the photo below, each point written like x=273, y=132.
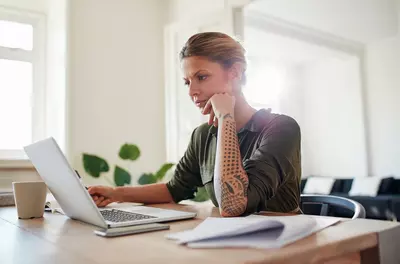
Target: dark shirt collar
x=256, y=123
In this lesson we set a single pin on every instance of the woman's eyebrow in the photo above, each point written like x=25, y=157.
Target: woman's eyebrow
x=204, y=70
x=195, y=74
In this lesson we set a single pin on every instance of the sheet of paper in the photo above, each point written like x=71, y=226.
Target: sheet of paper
x=274, y=238
x=214, y=227
x=261, y=239
x=252, y=231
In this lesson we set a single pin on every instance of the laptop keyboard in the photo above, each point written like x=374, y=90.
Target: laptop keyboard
x=122, y=216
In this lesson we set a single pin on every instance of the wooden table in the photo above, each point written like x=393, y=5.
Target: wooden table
x=58, y=239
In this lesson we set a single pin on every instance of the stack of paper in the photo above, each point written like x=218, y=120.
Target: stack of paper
x=252, y=231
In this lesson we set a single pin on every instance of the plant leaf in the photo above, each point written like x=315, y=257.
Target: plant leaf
x=121, y=176
x=94, y=165
x=163, y=170
x=201, y=195
x=147, y=178
x=129, y=151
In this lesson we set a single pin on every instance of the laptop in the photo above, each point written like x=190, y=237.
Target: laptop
x=76, y=202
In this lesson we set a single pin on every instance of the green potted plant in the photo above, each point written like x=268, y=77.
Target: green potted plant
x=95, y=166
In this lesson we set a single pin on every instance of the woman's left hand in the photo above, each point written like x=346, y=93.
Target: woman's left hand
x=218, y=106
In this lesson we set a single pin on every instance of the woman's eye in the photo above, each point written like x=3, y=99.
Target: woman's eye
x=186, y=83
x=202, y=77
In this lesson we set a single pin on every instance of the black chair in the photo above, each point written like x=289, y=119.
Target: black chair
x=329, y=205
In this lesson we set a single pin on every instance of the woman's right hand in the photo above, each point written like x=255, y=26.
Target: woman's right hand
x=104, y=195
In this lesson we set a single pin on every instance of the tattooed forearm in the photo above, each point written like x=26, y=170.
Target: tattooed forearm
x=234, y=195
x=231, y=177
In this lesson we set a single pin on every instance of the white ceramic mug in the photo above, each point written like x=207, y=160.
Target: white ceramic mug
x=30, y=198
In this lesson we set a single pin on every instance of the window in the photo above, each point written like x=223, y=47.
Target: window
x=22, y=83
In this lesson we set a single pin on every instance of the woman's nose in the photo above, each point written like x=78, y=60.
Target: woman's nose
x=193, y=91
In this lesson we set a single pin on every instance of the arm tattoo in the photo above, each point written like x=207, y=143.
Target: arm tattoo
x=233, y=180
x=227, y=116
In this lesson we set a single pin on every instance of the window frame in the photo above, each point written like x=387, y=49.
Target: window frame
x=36, y=56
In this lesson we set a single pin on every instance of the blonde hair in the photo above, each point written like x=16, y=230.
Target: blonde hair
x=217, y=47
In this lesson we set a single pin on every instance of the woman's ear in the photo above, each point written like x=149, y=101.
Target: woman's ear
x=236, y=72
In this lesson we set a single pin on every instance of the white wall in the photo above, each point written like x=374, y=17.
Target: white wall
x=182, y=10
x=56, y=71
x=193, y=10
x=292, y=102
x=333, y=130
x=324, y=97
x=383, y=105
x=358, y=20
x=116, y=81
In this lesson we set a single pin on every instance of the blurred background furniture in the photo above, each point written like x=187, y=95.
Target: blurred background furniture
x=384, y=205
x=329, y=205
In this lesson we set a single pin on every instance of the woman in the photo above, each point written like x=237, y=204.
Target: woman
x=248, y=160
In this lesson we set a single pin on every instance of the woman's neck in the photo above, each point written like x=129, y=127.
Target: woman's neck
x=243, y=112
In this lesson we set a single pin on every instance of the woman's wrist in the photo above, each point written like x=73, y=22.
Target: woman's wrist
x=118, y=194
x=227, y=115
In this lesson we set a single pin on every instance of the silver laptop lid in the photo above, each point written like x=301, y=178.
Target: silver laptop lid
x=63, y=182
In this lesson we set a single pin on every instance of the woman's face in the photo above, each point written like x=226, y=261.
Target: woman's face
x=205, y=78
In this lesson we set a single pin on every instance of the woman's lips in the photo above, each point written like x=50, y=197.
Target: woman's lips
x=200, y=103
